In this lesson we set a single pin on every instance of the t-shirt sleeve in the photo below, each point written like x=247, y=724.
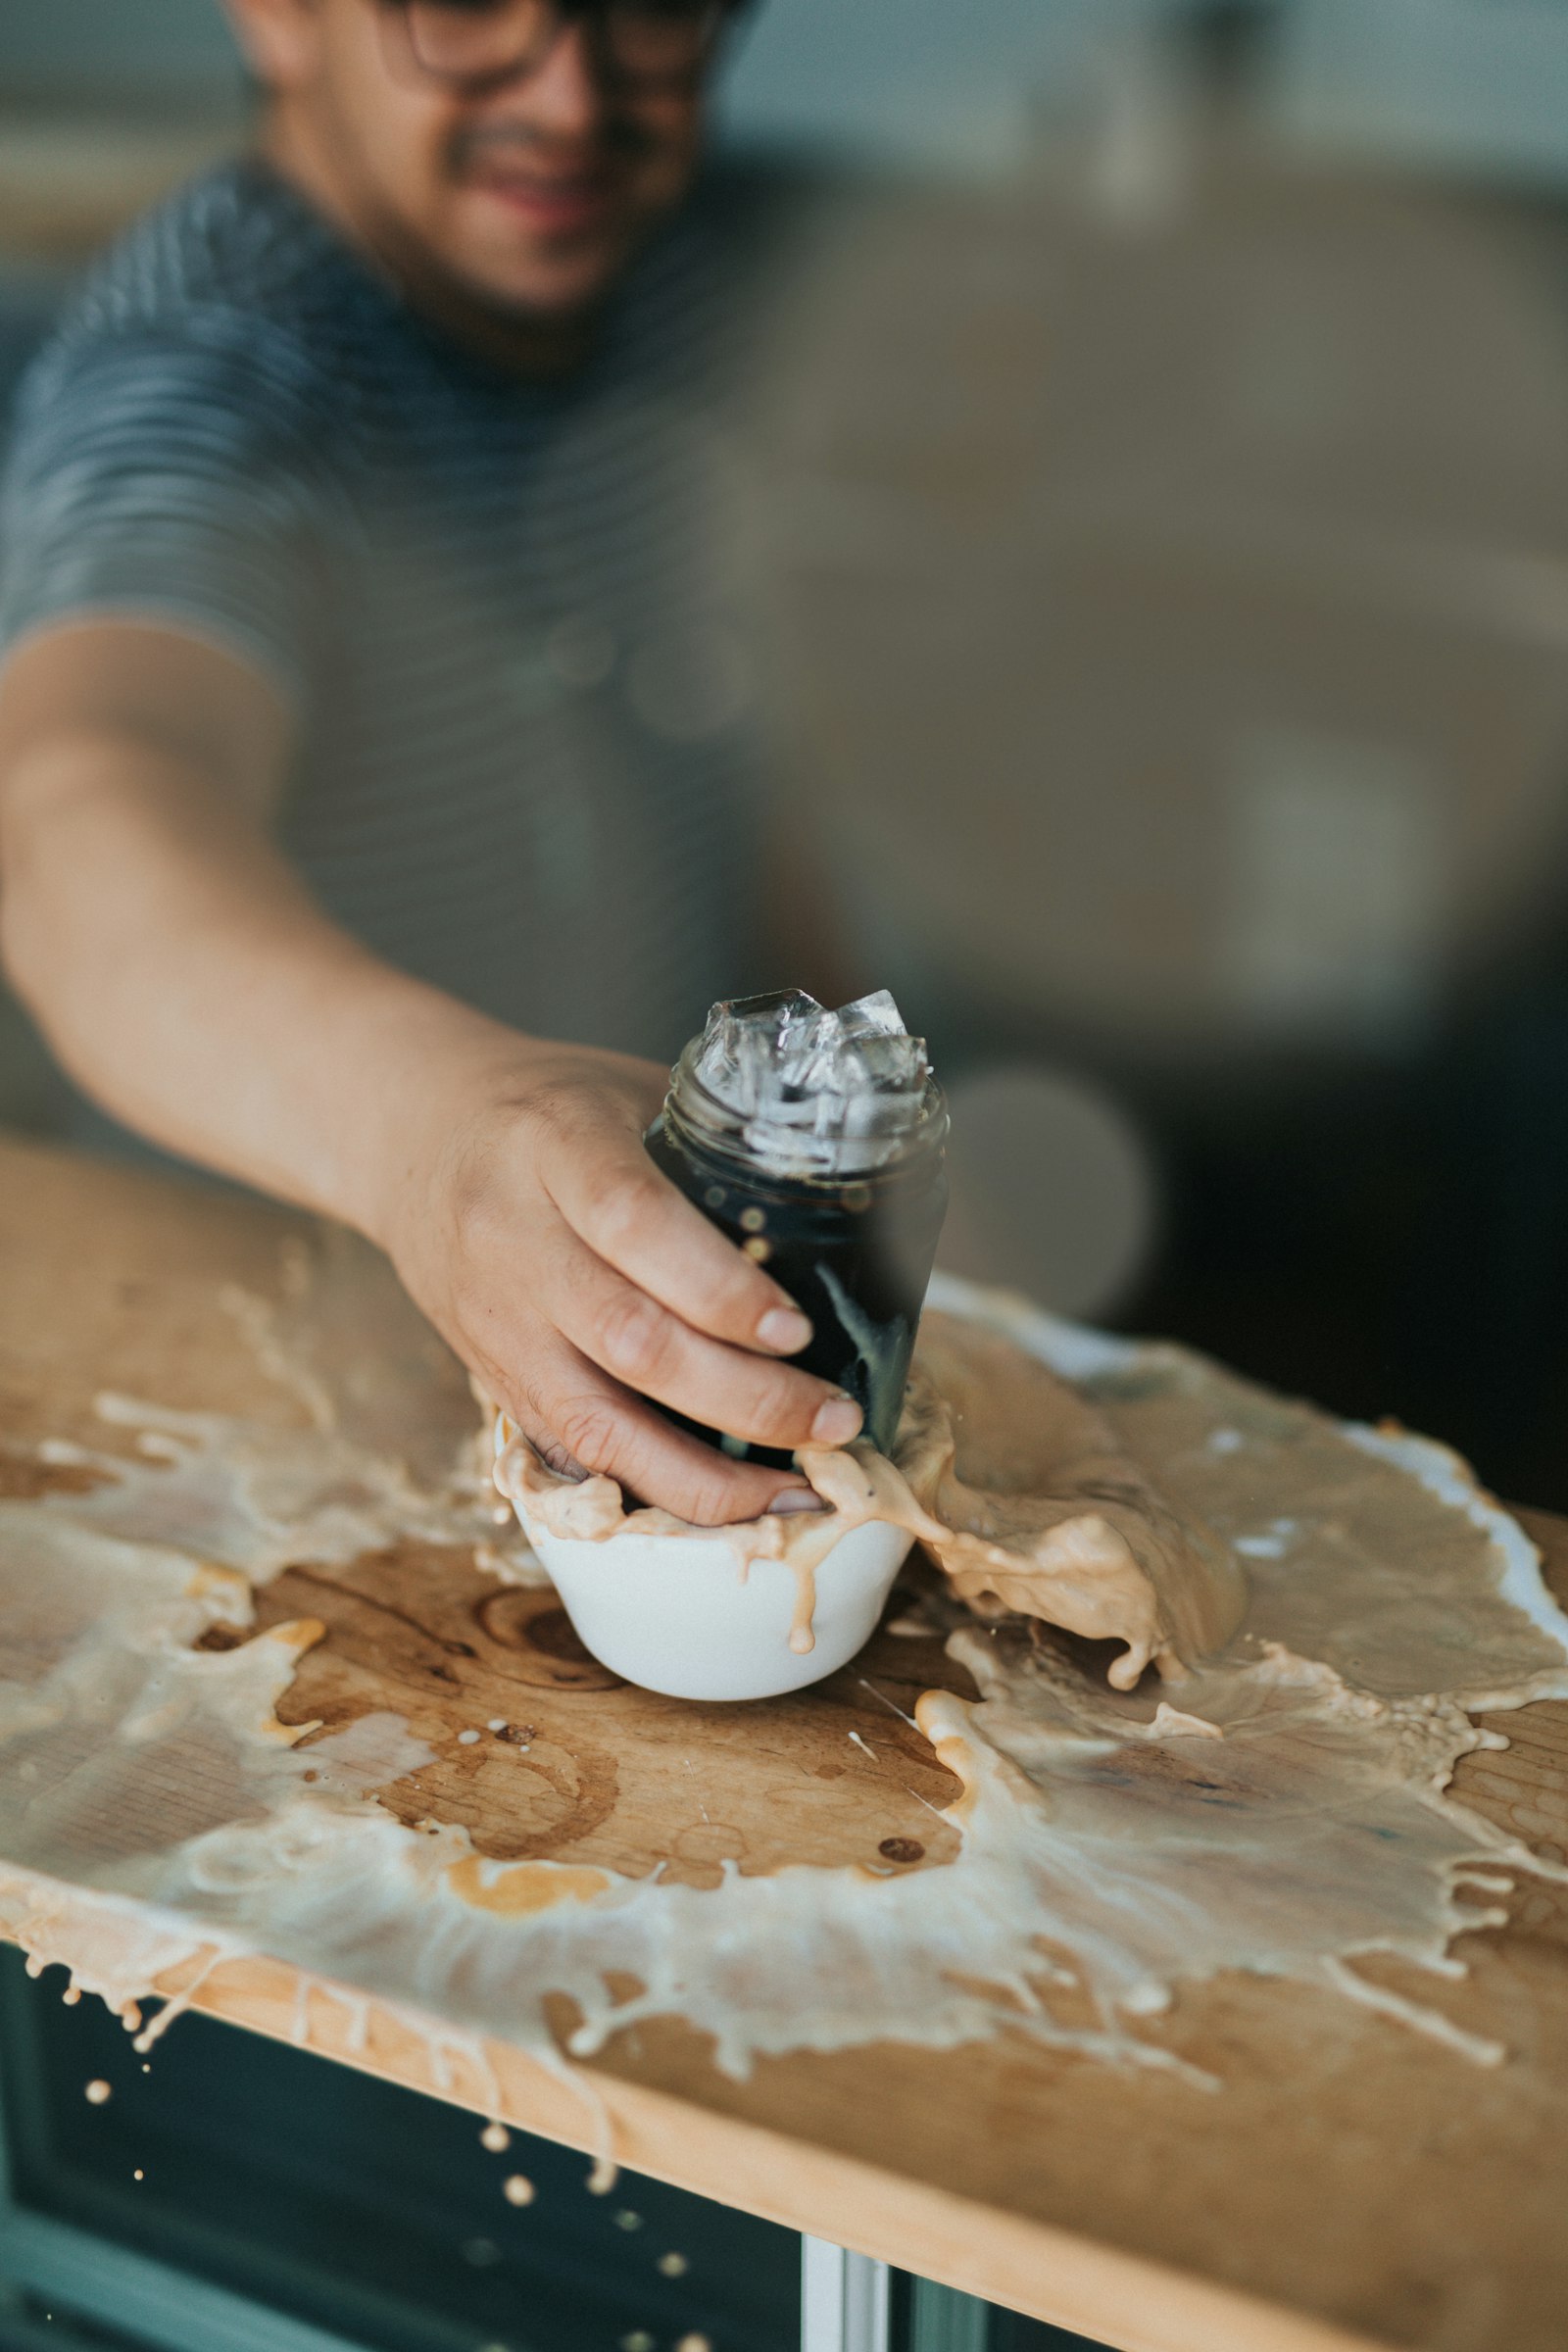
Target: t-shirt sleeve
x=167, y=478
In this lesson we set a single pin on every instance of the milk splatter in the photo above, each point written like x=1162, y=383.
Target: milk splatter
x=1285, y=1809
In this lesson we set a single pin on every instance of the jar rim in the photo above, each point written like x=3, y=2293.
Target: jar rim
x=798, y=1150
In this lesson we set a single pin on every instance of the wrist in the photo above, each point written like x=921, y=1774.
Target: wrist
x=428, y=1069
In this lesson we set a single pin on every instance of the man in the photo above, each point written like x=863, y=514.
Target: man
x=367, y=726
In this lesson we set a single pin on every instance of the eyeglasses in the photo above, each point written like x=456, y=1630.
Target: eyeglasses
x=472, y=44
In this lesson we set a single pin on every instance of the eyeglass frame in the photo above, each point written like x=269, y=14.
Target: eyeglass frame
x=718, y=14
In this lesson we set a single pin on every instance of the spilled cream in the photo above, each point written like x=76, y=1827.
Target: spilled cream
x=1024, y=1492
x=1283, y=1808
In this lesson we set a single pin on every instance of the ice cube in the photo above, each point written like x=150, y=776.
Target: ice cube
x=742, y=1044
x=786, y=1064
x=873, y=1016
x=889, y=1065
x=802, y=1042
x=848, y=1068
x=813, y=1067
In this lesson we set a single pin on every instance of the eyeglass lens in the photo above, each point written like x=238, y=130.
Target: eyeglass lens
x=472, y=40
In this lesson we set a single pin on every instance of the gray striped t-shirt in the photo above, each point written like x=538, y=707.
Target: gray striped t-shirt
x=528, y=770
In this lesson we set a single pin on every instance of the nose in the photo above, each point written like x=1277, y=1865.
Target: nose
x=564, y=92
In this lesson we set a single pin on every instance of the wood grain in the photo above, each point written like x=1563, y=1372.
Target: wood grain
x=1348, y=2184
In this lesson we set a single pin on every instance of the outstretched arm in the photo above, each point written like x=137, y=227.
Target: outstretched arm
x=188, y=981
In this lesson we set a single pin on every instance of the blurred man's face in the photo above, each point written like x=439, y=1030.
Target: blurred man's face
x=526, y=197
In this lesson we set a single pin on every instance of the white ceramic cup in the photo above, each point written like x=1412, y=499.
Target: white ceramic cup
x=680, y=1614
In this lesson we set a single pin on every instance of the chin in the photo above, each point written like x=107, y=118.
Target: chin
x=561, y=290
x=546, y=277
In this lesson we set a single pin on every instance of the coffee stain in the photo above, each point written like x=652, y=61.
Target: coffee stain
x=521, y=1889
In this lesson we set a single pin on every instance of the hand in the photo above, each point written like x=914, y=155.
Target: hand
x=574, y=1280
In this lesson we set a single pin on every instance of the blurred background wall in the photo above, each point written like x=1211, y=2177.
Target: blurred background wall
x=1172, y=456
x=906, y=77
x=159, y=48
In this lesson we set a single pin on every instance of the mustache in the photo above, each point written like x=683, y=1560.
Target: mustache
x=617, y=138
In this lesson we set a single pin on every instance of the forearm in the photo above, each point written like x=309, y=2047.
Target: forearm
x=189, y=983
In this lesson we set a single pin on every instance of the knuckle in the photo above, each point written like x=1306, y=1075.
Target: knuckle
x=780, y=1406
x=617, y=1207
x=588, y=1429
x=554, y=1107
x=709, y=1500
x=532, y=1406
x=635, y=1336
x=729, y=1298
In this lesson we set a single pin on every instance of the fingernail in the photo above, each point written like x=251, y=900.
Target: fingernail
x=837, y=1421
x=795, y=1500
x=785, y=1328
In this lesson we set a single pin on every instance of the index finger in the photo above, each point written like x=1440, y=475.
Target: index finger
x=631, y=1215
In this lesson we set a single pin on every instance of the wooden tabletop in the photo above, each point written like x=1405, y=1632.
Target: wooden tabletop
x=1348, y=2184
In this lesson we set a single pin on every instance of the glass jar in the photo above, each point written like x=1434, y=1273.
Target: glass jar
x=853, y=1247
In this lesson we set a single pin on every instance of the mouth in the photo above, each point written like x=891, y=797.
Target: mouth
x=553, y=204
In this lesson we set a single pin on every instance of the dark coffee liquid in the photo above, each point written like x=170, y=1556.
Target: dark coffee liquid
x=854, y=1252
